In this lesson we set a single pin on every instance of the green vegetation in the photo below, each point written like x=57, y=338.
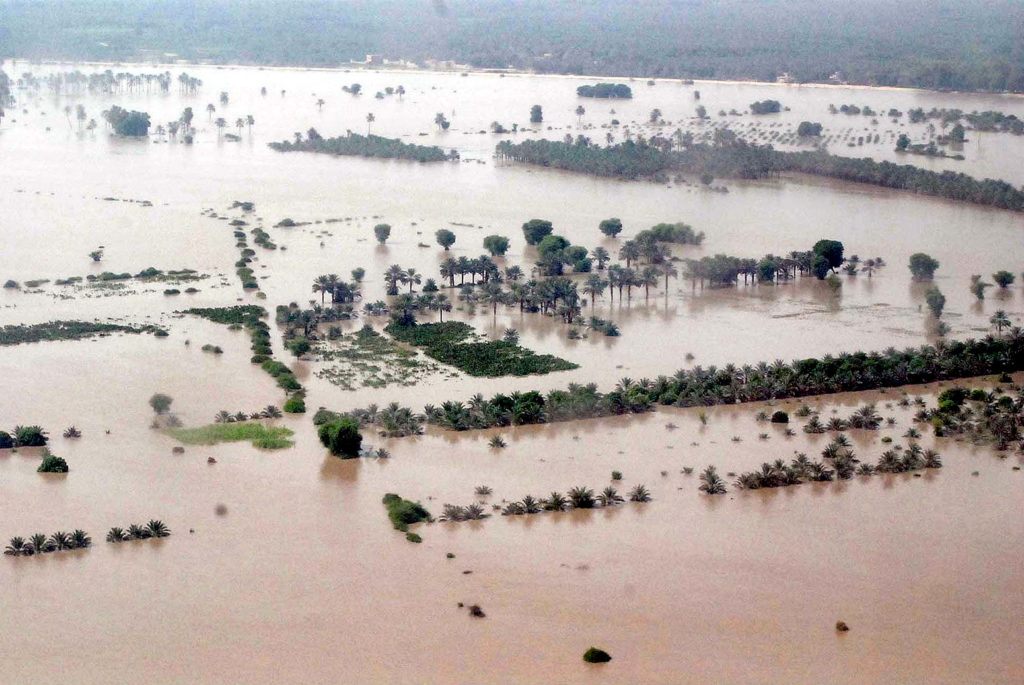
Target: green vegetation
x=369, y=359
x=445, y=343
x=404, y=513
x=934, y=44
x=154, y=529
x=41, y=544
x=259, y=434
x=988, y=418
x=806, y=129
x=536, y=230
x=27, y=436
x=596, y=656
x=445, y=238
x=125, y=123
x=17, y=334
x=52, y=463
x=922, y=266
x=355, y=145
x=605, y=90
x=730, y=157
x=341, y=436
x=765, y=107
x=731, y=384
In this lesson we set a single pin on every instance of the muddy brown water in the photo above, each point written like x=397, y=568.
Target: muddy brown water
x=303, y=579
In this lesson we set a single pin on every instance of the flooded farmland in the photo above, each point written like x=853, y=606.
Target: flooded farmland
x=283, y=567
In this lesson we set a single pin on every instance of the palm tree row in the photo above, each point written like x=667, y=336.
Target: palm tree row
x=341, y=291
x=154, y=529
x=268, y=412
x=41, y=544
x=866, y=418
x=731, y=384
x=576, y=498
x=393, y=421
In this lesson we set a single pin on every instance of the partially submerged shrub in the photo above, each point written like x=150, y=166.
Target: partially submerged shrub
x=596, y=656
x=341, y=436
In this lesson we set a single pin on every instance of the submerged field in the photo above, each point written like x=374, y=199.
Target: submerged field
x=283, y=565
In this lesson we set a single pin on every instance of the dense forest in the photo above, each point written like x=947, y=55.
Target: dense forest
x=941, y=44
x=729, y=157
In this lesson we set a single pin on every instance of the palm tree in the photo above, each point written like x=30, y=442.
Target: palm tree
x=321, y=284
x=157, y=529
x=1000, y=320
x=369, y=122
x=137, y=532
x=271, y=412
x=440, y=304
x=594, y=287
x=80, y=539
x=556, y=501
x=580, y=111
x=210, y=109
x=582, y=498
x=223, y=417
x=239, y=125
x=667, y=269
x=491, y=293
x=609, y=497
x=648, y=277
x=16, y=548
x=117, y=535
x=250, y=122
x=412, y=278
x=320, y=104
x=61, y=541
x=601, y=256
x=711, y=482
x=531, y=505
x=639, y=494
x=40, y=544
x=220, y=124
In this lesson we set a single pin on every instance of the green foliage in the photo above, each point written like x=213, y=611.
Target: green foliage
x=536, y=114
x=1003, y=278
x=52, y=463
x=382, y=232
x=160, y=403
x=355, y=145
x=127, y=123
x=831, y=251
x=295, y=405
x=806, y=129
x=403, y=513
x=445, y=238
x=605, y=90
x=536, y=229
x=922, y=266
x=935, y=300
x=17, y=334
x=596, y=656
x=6, y=441
x=259, y=434
x=611, y=227
x=780, y=417
x=765, y=107
x=29, y=436
x=341, y=436
x=495, y=244
x=445, y=343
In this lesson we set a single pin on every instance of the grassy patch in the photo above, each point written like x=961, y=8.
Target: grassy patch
x=403, y=512
x=447, y=343
x=261, y=435
x=369, y=359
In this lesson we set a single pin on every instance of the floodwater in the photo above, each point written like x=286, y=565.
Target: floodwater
x=303, y=580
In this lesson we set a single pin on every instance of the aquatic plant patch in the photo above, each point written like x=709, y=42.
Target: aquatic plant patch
x=259, y=434
x=17, y=334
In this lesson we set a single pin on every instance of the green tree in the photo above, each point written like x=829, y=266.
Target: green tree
x=829, y=250
x=382, y=232
x=495, y=244
x=535, y=229
x=902, y=143
x=445, y=238
x=1003, y=278
x=922, y=266
x=978, y=286
x=536, y=114
x=935, y=300
x=611, y=227
x=342, y=437
x=1000, y=320
x=160, y=403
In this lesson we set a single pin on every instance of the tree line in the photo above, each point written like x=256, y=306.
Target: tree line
x=353, y=144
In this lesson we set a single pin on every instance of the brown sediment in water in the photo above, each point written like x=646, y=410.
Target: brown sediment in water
x=305, y=581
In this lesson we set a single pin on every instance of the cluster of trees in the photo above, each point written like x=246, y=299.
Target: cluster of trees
x=729, y=156
x=730, y=384
x=5, y=93
x=127, y=123
x=579, y=497
x=989, y=120
x=16, y=334
x=268, y=412
x=41, y=544
x=109, y=83
x=970, y=46
x=24, y=436
x=154, y=529
x=605, y=90
x=984, y=417
x=808, y=129
x=765, y=107
x=354, y=144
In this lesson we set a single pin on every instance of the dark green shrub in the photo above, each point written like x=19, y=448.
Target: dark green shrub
x=30, y=436
x=780, y=417
x=295, y=405
x=341, y=436
x=403, y=512
x=6, y=441
x=596, y=656
x=52, y=464
x=287, y=382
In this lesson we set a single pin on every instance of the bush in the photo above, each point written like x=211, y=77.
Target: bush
x=30, y=436
x=295, y=405
x=596, y=656
x=52, y=463
x=160, y=402
x=341, y=436
x=6, y=441
x=780, y=417
x=403, y=513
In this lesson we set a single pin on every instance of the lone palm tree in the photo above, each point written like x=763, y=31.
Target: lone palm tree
x=711, y=482
x=239, y=125
x=1000, y=320
x=220, y=124
x=210, y=109
x=319, y=103
x=250, y=121
x=370, y=118
x=580, y=111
